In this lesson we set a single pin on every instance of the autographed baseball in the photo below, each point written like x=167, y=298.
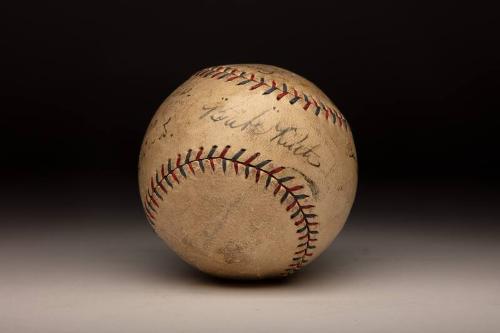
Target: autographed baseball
x=247, y=171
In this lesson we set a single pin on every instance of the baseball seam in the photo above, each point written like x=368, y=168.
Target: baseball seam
x=281, y=90
x=302, y=217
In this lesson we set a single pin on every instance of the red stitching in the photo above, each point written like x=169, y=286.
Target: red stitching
x=226, y=148
x=150, y=216
x=199, y=154
x=272, y=172
x=277, y=189
x=232, y=78
x=304, y=237
x=296, y=188
x=253, y=157
x=191, y=168
x=306, y=105
x=291, y=205
x=163, y=187
x=154, y=201
x=257, y=85
x=299, y=222
x=174, y=176
x=261, y=82
x=281, y=95
x=303, y=222
x=257, y=175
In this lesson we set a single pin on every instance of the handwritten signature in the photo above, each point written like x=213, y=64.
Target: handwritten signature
x=294, y=139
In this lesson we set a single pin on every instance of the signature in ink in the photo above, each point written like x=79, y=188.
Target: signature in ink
x=236, y=121
x=294, y=139
x=163, y=134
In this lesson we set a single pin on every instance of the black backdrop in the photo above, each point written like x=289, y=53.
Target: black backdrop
x=80, y=80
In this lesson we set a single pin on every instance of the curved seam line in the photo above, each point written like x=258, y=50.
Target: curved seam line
x=150, y=211
x=225, y=70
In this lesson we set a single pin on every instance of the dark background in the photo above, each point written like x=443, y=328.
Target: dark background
x=418, y=82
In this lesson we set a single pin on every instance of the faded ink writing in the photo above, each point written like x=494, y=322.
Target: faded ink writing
x=232, y=120
x=294, y=139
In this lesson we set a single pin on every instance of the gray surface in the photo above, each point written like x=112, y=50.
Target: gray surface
x=403, y=274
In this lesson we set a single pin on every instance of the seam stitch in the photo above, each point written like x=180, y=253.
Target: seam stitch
x=307, y=100
x=304, y=220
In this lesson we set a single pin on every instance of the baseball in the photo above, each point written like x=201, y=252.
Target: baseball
x=247, y=171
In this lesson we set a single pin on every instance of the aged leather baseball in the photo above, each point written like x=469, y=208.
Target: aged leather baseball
x=248, y=171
